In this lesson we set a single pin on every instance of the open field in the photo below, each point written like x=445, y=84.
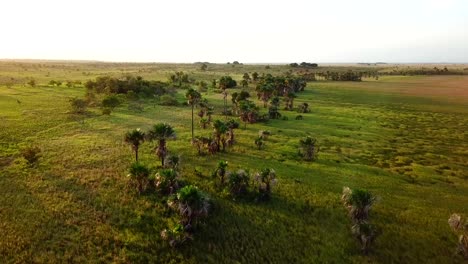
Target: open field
x=403, y=138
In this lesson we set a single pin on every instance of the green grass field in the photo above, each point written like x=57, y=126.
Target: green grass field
x=403, y=138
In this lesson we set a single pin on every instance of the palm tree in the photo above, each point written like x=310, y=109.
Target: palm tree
x=135, y=138
x=460, y=227
x=139, y=174
x=265, y=180
x=309, y=148
x=220, y=128
x=259, y=142
x=358, y=202
x=192, y=204
x=166, y=181
x=161, y=132
x=238, y=182
x=221, y=171
x=193, y=97
x=231, y=125
x=289, y=100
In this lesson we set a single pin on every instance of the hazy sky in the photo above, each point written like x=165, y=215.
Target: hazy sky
x=247, y=31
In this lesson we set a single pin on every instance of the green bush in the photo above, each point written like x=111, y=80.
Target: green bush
x=168, y=100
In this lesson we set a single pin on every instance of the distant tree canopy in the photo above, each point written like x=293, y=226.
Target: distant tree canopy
x=304, y=65
x=227, y=82
x=124, y=85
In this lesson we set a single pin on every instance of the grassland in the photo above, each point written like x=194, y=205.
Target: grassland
x=403, y=138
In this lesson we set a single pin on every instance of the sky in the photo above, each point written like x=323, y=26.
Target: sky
x=249, y=31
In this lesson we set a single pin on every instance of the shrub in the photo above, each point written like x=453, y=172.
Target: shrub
x=106, y=111
x=31, y=154
x=168, y=100
x=135, y=107
x=238, y=182
x=110, y=102
x=78, y=105
x=176, y=236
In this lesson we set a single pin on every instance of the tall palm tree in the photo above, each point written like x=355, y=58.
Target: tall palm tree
x=135, y=138
x=161, y=132
x=193, y=98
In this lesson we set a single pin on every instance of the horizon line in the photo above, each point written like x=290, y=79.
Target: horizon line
x=195, y=62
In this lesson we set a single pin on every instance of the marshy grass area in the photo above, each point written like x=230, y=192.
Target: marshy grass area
x=399, y=137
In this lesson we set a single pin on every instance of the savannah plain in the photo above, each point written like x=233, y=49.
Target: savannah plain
x=402, y=137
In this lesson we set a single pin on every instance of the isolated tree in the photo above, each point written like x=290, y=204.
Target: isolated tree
x=203, y=67
x=309, y=148
x=135, y=138
x=161, y=132
x=193, y=98
x=358, y=203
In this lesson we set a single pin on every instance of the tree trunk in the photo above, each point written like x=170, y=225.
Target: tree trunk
x=192, y=120
x=136, y=154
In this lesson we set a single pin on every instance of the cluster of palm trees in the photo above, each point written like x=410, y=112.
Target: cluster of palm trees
x=190, y=203
x=238, y=183
x=223, y=136
x=161, y=133
x=358, y=203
